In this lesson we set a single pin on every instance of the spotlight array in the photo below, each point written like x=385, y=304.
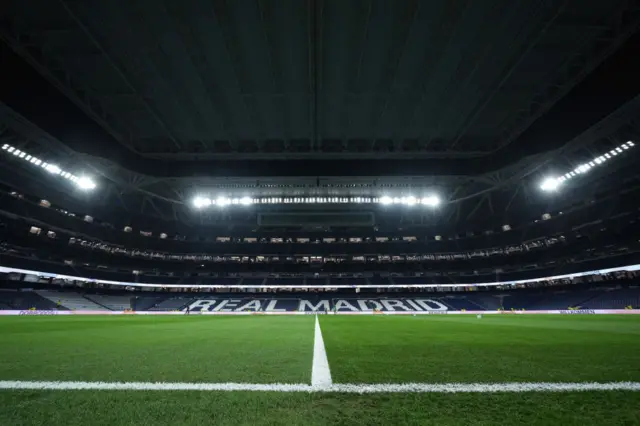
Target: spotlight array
x=553, y=183
x=83, y=182
x=200, y=202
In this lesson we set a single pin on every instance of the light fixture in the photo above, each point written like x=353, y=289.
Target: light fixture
x=432, y=201
x=223, y=201
x=386, y=200
x=85, y=183
x=550, y=184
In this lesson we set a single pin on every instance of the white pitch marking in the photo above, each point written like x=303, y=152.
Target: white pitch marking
x=320, y=373
x=339, y=388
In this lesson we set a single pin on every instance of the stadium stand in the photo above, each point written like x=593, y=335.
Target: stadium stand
x=24, y=300
x=606, y=296
x=111, y=302
x=171, y=304
x=71, y=300
x=615, y=299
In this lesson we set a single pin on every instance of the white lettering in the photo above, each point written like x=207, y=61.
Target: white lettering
x=230, y=305
x=343, y=304
x=427, y=305
x=271, y=307
x=413, y=304
x=365, y=305
x=221, y=305
x=202, y=305
x=253, y=305
x=323, y=305
x=391, y=305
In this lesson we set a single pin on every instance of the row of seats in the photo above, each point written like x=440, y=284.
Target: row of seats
x=535, y=299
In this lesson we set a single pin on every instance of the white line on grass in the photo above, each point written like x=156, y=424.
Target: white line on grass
x=320, y=373
x=342, y=388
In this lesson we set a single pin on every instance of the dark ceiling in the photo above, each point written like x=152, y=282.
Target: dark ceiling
x=357, y=87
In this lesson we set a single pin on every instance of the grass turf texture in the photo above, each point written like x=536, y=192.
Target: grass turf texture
x=367, y=349
x=496, y=348
x=157, y=349
x=97, y=408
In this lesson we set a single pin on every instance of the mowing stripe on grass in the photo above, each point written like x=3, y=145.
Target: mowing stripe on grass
x=320, y=373
x=342, y=388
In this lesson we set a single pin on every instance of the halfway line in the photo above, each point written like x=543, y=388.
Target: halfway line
x=320, y=373
x=341, y=388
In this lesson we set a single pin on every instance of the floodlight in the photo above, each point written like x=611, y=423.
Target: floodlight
x=17, y=152
x=199, y=202
x=52, y=168
x=10, y=149
x=550, y=184
x=22, y=154
x=386, y=200
x=223, y=201
x=85, y=183
x=6, y=146
x=432, y=201
x=583, y=168
x=245, y=201
x=630, y=143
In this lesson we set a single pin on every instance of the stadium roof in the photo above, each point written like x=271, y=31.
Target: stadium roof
x=164, y=98
x=464, y=85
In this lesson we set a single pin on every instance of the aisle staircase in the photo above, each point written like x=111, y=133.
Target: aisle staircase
x=71, y=300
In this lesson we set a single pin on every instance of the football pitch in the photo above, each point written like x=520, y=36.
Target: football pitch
x=432, y=369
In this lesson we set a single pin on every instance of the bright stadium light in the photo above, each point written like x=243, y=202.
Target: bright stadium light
x=85, y=183
x=432, y=201
x=550, y=184
x=386, y=200
x=52, y=168
x=200, y=202
x=245, y=201
x=223, y=201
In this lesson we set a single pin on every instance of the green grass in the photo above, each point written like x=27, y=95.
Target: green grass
x=366, y=349
x=145, y=348
x=495, y=348
x=75, y=408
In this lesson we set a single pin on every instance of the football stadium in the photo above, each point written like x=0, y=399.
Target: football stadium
x=318, y=212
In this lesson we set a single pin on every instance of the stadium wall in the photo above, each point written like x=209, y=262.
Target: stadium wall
x=556, y=312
